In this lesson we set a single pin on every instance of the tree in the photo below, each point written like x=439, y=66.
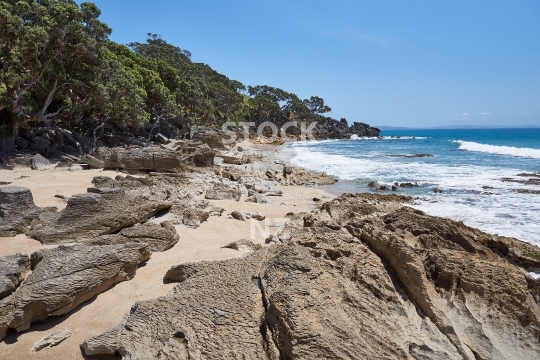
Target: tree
x=316, y=105
x=46, y=47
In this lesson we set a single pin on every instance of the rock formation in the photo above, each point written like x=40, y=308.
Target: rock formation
x=65, y=277
x=50, y=340
x=13, y=270
x=100, y=212
x=158, y=237
x=139, y=158
x=362, y=277
x=221, y=191
x=17, y=210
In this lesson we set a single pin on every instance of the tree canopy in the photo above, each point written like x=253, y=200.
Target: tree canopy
x=58, y=67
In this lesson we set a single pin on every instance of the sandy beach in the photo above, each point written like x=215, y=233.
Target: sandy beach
x=107, y=309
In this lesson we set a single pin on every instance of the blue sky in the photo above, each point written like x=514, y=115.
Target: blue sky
x=399, y=63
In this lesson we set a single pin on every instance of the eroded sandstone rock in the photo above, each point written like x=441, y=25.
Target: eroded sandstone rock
x=364, y=277
x=139, y=158
x=13, y=270
x=158, y=237
x=103, y=211
x=221, y=191
x=243, y=245
x=65, y=277
x=51, y=340
x=17, y=210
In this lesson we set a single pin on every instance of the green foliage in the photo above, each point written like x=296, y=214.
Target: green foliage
x=58, y=66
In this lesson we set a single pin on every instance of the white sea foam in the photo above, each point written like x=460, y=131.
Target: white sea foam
x=499, y=150
x=504, y=212
x=356, y=137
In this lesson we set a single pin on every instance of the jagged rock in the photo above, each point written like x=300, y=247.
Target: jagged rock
x=196, y=320
x=51, y=340
x=272, y=240
x=364, y=130
x=17, y=210
x=233, y=159
x=408, y=185
x=303, y=177
x=204, y=156
x=140, y=158
x=65, y=277
x=391, y=283
x=92, y=162
x=221, y=191
x=264, y=190
x=216, y=139
x=215, y=210
x=246, y=215
x=193, y=217
x=243, y=245
x=13, y=270
x=100, y=212
x=231, y=173
x=158, y=237
x=258, y=198
x=40, y=163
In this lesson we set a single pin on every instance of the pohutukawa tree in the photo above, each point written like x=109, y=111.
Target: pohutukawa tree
x=48, y=52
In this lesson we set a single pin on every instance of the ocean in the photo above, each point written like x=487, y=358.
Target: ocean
x=466, y=165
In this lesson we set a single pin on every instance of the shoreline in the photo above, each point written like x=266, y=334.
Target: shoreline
x=204, y=245
x=195, y=245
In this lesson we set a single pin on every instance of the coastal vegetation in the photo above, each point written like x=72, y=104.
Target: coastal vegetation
x=58, y=68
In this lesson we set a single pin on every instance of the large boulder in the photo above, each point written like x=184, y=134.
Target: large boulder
x=17, y=210
x=217, y=301
x=103, y=211
x=216, y=139
x=158, y=237
x=140, y=158
x=360, y=278
x=221, y=191
x=65, y=277
x=13, y=270
x=40, y=163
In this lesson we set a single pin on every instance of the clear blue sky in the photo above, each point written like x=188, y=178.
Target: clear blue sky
x=400, y=63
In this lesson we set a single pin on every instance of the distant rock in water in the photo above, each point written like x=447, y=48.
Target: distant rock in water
x=412, y=156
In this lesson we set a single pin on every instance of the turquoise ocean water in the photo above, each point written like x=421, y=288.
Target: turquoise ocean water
x=467, y=165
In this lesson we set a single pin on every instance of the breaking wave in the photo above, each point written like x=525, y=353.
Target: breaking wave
x=499, y=150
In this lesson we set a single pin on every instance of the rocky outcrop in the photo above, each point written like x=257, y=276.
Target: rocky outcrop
x=334, y=129
x=17, y=210
x=65, y=277
x=13, y=270
x=214, y=138
x=221, y=191
x=361, y=129
x=158, y=237
x=139, y=158
x=40, y=163
x=229, y=318
x=363, y=277
x=100, y=212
